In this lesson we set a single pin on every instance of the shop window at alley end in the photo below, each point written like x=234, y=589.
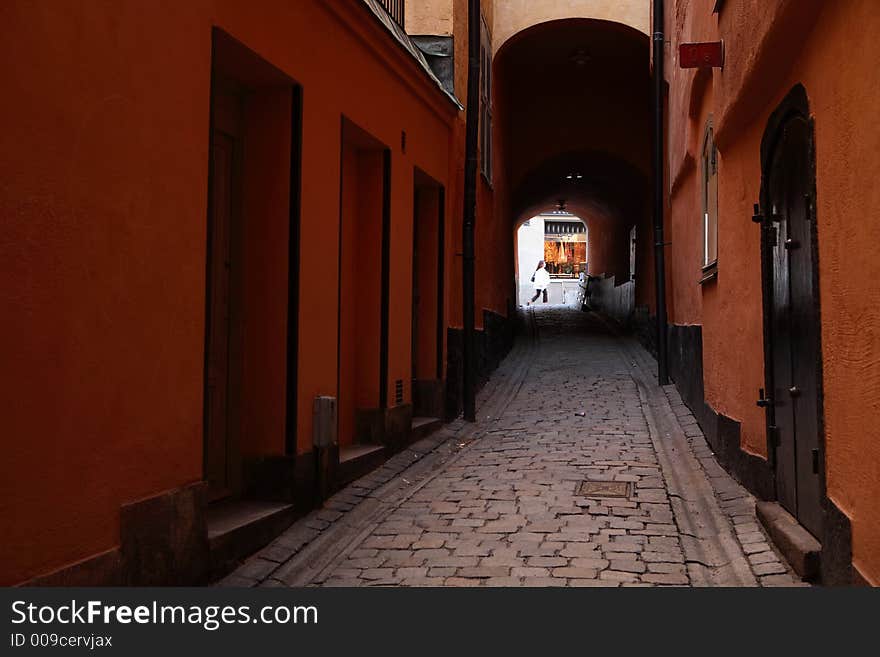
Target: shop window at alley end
x=709, y=167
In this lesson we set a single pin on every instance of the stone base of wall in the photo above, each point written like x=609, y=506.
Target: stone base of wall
x=685, y=350
x=491, y=344
x=163, y=541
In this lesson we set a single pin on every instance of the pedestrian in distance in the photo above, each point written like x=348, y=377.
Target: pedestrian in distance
x=541, y=279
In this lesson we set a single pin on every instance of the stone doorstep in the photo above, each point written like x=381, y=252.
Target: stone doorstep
x=238, y=528
x=797, y=545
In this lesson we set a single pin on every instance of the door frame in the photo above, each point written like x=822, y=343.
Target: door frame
x=794, y=105
x=293, y=271
x=253, y=73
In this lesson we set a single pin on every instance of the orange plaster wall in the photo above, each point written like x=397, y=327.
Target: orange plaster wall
x=841, y=89
x=400, y=281
x=104, y=188
x=103, y=191
x=396, y=102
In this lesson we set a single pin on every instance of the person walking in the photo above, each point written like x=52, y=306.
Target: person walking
x=541, y=279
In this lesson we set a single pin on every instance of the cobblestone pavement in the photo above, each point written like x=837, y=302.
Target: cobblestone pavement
x=497, y=503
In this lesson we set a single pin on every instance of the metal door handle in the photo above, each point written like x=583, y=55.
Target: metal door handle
x=794, y=391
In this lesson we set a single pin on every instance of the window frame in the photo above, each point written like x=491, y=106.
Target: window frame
x=709, y=203
x=486, y=163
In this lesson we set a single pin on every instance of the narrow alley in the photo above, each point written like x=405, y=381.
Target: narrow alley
x=566, y=480
x=440, y=292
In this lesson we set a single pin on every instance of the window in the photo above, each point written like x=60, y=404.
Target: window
x=565, y=247
x=632, y=253
x=485, y=102
x=709, y=161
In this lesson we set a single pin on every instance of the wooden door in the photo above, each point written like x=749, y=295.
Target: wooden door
x=416, y=293
x=794, y=328
x=225, y=150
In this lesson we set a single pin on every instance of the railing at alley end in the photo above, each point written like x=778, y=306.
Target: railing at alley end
x=395, y=9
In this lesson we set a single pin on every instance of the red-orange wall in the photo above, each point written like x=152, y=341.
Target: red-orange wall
x=102, y=253
x=770, y=48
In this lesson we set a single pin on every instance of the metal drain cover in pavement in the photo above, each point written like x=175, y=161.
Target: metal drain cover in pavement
x=602, y=489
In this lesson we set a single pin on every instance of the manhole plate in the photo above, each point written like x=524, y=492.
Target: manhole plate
x=602, y=488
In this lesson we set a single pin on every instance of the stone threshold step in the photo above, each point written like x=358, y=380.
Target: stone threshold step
x=354, y=452
x=797, y=545
x=238, y=528
x=423, y=426
x=357, y=460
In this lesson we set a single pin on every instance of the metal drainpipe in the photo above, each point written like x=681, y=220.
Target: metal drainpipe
x=659, y=245
x=470, y=210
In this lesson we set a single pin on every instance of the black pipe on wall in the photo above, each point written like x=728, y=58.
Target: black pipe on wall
x=470, y=210
x=659, y=245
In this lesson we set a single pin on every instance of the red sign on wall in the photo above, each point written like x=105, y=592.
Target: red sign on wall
x=701, y=55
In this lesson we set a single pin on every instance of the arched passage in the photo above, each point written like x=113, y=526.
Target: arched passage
x=573, y=125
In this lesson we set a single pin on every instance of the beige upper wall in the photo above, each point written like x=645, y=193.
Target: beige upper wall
x=512, y=16
x=429, y=17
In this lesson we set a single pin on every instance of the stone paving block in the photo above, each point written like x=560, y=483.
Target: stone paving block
x=441, y=571
x=627, y=566
x=581, y=550
x=668, y=568
x=754, y=548
x=501, y=581
x=589, y=563
x=751, y=537
x=673, y=556
x=570, y=572
x=762, y=557
x=461, y=582
x=781, y=580
x=526, y=571
x=484, y=571
x=593, y=583
x=666, y=578
x=423, y=581
x=377, y=573
x=342, y=582
x=769, y=568
x=256, y=569
x=236, y=580
x=618, y=576
x=542, y=582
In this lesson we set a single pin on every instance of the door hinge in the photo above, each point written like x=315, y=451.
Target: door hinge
x=759, y=218
x=815, y=452
x=763, y=400
x=772, y=235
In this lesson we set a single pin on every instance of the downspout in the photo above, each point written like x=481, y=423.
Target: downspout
x=470, y=211
x=659, y=245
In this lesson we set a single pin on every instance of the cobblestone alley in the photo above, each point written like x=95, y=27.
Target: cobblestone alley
x=513, y=500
